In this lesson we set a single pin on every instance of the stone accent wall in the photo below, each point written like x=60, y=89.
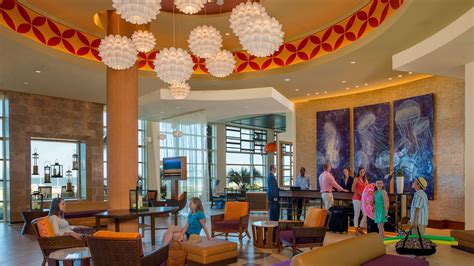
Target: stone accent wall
x=448, y=133
x=51, y=117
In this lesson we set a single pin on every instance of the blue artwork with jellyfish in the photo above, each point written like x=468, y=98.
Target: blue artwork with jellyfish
x=333, y=141
x=414, y=140
x=372, y=141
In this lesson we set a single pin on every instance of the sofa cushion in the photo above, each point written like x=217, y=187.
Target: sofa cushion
x=389, y=260
x=226, y=225
x=315, y=217
x=45, y=228
x=351, y=255
x=287, y=235
x=209, y=247
x=235, y=210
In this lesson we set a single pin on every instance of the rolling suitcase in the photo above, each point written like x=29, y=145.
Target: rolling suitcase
x=339, y=221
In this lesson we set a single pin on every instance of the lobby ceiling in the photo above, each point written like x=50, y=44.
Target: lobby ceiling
x=72, y=77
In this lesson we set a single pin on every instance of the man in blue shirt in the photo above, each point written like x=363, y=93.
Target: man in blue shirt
x=273, y=192
x=303, y=182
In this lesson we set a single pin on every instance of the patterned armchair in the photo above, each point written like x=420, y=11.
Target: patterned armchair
x=118, y=248
x=299, y=234
x=48, y=242
x=234, y=220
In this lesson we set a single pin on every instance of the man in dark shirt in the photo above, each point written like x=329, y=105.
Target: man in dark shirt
x=273, y=192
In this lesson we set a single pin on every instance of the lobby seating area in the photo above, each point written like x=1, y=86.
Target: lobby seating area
x=236, y=132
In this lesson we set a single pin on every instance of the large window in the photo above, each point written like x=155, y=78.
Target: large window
x=245, y=154
x=61, y=152
x=286, y=163
x=4, y=160
x=142, y=153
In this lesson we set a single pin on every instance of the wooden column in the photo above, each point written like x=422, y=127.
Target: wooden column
x=122, y=128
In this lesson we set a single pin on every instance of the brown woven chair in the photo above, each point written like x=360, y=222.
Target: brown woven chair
x=307, y=234
x=235, y=219
x=50, y=244
x=180, y=203
x=123, y=252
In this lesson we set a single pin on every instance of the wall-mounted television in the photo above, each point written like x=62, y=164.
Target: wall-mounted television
x=175, y=168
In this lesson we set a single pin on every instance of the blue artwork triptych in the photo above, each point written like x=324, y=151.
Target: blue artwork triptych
x=413, y=140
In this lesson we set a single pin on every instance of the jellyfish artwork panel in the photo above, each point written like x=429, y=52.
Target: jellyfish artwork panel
x=333, y=141
x=414, y=140
x=372, y=141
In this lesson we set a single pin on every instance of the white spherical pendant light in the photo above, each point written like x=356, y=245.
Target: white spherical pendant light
x=221, y=65
x=264, y=38
x=144, y=41
x=244, y=15
x=137, y=11
x=190, y=6
x=173, y=65
x=205, y=41
x=117, y=52
x=180, y=91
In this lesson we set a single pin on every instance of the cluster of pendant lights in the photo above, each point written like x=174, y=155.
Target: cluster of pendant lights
x=258, y=33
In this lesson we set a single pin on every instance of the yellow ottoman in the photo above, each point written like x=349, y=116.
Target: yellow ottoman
x=211, y=252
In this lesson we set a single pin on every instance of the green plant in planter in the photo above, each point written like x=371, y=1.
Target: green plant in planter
x=400, y=171
x=240, y=178
x=163, y=191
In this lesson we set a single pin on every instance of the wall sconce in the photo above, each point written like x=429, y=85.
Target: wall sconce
x=57, y=170
x=47, y=173
x=35, y=163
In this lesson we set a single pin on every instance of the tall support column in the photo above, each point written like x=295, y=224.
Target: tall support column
x=469, y=147
x=122, y=127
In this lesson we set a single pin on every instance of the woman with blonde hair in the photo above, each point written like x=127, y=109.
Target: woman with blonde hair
x=196, y=222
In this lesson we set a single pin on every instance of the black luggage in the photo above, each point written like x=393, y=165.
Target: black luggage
x=339, y=221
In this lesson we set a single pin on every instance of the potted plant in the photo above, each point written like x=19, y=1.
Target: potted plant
x=400, y=180
x=240, y=178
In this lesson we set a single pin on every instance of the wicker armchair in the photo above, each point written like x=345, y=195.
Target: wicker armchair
x=299, y=234
x=235, y=219
x=50, y=244
x=123, y=252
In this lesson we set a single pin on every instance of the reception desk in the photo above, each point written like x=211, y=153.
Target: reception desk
x=396, y=200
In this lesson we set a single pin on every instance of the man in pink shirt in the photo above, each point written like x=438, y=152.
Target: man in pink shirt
x=327, y=183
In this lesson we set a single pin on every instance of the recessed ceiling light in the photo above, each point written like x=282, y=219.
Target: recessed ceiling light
x=161, y=112
x=297, y=89
x=26, y=83
x=38, y=71
x=177, y=107
x=317, y=93
x=246, y=107
x=366, y=84
x=343, y=81
x=400, y=76
x=357, y=86
x=347, y=88
x=353, y=62
x=227, y=34
x=325, y=91
x=287, y=79
x=389, y=78
x=409, y=73
x=307, y=94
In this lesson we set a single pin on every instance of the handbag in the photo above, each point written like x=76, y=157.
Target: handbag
x=415, y=246
x=176, y=254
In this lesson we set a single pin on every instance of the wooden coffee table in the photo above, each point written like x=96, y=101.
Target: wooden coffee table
x=264, y=234
x=69, y=256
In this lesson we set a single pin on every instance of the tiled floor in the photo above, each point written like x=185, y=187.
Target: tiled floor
x=16, y=249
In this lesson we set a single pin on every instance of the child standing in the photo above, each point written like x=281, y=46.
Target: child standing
x=381, y=206
x=196, y=222
x=419, y=206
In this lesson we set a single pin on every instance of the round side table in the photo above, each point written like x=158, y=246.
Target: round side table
x=264, y=234
x=69, y=255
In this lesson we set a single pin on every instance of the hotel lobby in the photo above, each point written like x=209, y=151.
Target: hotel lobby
x=236, y=132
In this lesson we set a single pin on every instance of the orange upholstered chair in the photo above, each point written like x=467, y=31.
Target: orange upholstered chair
x=234, y=220
x=299, y=234
x=119, y=248
x=49, y=242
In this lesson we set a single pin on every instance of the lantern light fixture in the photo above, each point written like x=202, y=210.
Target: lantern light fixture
x=47, y=173
x=35, y=163
x=57, y=170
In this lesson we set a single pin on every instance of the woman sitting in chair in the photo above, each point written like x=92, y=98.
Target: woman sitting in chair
x=60, y=225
